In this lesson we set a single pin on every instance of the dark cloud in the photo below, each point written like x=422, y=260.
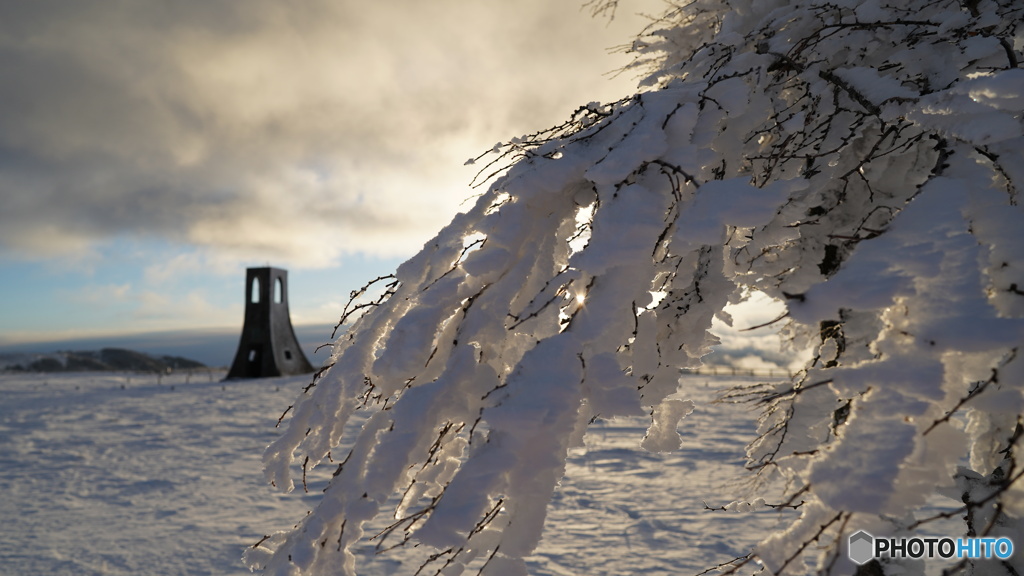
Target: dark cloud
x=308, y=129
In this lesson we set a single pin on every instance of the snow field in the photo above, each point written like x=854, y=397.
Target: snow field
x=161, y=479
x=165, y=479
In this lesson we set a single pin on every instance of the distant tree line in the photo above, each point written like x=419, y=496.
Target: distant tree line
x=106, y=359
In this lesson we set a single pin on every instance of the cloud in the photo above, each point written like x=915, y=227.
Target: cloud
x=100, y=294
x=753, y=341
x=755, y=363
x=297, y=132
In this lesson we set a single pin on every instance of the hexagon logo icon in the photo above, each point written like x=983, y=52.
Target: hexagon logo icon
x=861, y=547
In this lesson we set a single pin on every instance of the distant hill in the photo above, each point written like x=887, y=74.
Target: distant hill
x=106, y=359
x=217, y=347
x=214, y=347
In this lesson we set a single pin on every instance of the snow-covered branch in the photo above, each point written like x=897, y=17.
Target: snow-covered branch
x=858, y=161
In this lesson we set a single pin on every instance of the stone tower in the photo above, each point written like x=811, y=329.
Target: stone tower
x=268, y=346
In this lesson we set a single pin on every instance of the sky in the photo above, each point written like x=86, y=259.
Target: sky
x=152, y=150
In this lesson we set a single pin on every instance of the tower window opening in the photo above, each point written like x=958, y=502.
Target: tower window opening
x=278, y=290
x=254, y=295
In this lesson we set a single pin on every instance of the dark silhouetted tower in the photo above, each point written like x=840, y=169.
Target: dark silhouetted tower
x=268, y=346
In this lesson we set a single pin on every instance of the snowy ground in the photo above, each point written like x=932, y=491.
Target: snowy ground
x=108, y=473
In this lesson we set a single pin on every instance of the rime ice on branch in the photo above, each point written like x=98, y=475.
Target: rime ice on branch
x=857, y=160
